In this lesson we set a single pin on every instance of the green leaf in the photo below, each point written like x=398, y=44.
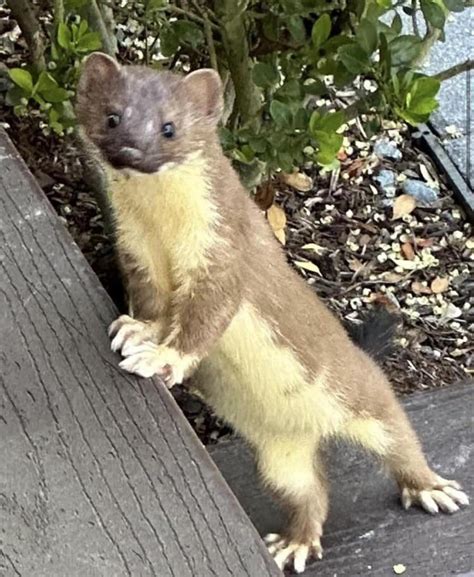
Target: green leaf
x=22, y=78
x=317, y=87
x=240, y=156
x=290, y=91
x=404, y=49
x=296, y=27
x=285, y=161
x=74, y=5
x=64, y=36
x=155, y=4
x=258, y=144
x=265, y=75
x=188, y=32
x=14, y=96
x=426, y=87
x=169, y=41
x=397, y=24
x=55, y=95
x=331, y=46
x=455, y=5
x=270, y=27
x=300, y=120
x=45, y=82
x=385, y=4
x=328, y=122
x=83, y=26
x=226, y=137
x=329, y=145
x=321, y=30
x=354, y=58
x=281, y=113
x=433, y=13
x=367, y=36
x=89, y=42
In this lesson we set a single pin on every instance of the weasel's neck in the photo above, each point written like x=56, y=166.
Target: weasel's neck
x=175, y=207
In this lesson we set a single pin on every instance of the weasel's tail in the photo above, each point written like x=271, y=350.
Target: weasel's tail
x=376, y=333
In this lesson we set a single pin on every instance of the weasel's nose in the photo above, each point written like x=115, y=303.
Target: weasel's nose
x=128, y=154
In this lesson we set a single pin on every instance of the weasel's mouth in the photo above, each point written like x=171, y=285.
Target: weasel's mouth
x=128, y=157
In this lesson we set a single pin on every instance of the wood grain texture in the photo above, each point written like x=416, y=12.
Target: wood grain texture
x=100, y=474
x=368, y=532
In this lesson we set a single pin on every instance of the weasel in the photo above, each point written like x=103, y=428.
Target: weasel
x=211, y=295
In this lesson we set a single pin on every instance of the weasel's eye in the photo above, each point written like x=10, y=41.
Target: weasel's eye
x=168, y=130
x=113, y=120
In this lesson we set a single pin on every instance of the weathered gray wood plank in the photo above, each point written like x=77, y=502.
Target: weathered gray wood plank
x=367, y=531
x=100, y=474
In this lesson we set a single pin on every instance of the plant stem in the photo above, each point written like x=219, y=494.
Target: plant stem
x=454, y=70
x=210, y=43
x=413, y=18
x=30, y=27
x=58, y=13
x=97, y=24
x=247, y=97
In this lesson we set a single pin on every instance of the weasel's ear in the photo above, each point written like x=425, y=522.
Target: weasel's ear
x=98, y=68
x=205, y=92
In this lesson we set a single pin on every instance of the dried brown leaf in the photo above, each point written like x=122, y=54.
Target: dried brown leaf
x=298, y=180
x=355, y=264
x=308, y=265
x=312, y=246
x=364, y=239
x=265, y=195
x=404, y=204
x=407, y=250
x=391, y=276
x=355, y=168
x=281, y=235
x=440, y=285
x=420, y=289
x=424, y=242
x=277, y=219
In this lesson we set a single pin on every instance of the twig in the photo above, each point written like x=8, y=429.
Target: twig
x=190, y=15
x=23, y=13
x=416, y=30
x=147, y=53
x=98, y=25
x=456, y=69
x=58, y=13
x=210, y=43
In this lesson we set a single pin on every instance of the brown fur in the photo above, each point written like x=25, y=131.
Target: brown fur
x=236, y=309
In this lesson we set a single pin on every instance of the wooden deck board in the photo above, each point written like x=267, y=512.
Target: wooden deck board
x=367, y=531
x=100, y=474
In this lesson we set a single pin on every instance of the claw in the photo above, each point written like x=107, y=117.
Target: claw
x=446, y=496
x=285, y=551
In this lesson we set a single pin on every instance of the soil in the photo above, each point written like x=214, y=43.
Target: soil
x=349, y=234
x=340, y=234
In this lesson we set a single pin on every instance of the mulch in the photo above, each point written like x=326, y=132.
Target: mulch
x=339, y=233
x=344, y=227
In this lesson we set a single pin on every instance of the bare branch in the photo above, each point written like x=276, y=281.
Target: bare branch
x=30, y=27
x=97, y=23
x=455, y=70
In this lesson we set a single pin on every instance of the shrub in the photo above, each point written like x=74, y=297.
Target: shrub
x=279, y=61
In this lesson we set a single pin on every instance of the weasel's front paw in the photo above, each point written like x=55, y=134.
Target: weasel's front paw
x=285, y=551
x=148, y=359
x=127, y=333
x=445, y=495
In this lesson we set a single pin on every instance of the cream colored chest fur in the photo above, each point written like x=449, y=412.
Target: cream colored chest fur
x=165, y=221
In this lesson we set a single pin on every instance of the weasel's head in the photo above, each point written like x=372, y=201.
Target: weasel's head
x=143, y=119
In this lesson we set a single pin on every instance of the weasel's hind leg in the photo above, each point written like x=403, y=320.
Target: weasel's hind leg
x=403, y=456
x=291, y=468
